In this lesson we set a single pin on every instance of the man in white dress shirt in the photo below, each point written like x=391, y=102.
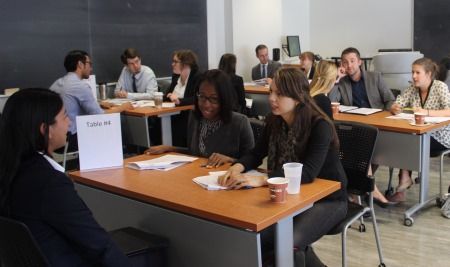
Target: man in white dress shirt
x=136, y=81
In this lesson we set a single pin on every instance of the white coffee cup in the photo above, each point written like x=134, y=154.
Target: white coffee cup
x=293, y=172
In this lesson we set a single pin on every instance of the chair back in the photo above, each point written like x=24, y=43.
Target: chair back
x=356, y=145
x=17, y=245
x=257, y=127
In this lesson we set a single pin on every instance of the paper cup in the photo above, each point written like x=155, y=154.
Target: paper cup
x=419, y=118
x=158, y=98
x=277, y=189
x=335, y=107
x=293, y=172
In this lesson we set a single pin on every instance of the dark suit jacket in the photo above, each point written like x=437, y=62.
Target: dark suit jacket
x=238, y=85
x=311, y=73
x=379, y=95
x=232, y=139
x=63, y=226
x=271, y=68
x=325, y=104
x=191, y=86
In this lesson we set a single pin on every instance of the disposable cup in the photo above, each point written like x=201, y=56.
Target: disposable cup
x=277, y=189
x=293, y=172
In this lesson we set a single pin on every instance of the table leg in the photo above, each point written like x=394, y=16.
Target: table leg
x=424, y=171
x=284, y=240
x=166, y=128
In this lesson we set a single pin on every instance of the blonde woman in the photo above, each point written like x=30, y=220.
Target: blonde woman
x=323, y=81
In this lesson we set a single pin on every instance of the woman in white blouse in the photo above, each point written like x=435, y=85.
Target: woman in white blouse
x=426, y=95
x=184, y=79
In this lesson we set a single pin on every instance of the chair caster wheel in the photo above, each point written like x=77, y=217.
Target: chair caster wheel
x=389, y=192
x=439, y=202
x=362, y=228
x=382, y=265
x=409, y=222
x=417, y=180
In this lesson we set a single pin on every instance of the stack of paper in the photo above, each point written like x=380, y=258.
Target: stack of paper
x=410, y=117
x=168, y=105
x=364, y=111
x=343, y=108
x=164, y=163
x=210, y=182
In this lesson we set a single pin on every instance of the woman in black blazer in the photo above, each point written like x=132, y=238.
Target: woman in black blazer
x=182, y=90
x=184, y=78
x=297, y=131
x=228, y=65
x=35, y=190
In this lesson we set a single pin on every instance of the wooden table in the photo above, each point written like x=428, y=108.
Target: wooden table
x=205, y=228
x=136, y=123
x=404, y=146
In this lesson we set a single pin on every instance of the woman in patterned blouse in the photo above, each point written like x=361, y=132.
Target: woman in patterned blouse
x=214, y=131
x=429, y=96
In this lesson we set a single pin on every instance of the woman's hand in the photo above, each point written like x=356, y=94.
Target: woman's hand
x=106, y=105
x=420, y=110
x=234, y=179
x=156, y=150
x=121, y=94
x=396, y=109
x=217, y=159
x=174, y=98
x=126, y=106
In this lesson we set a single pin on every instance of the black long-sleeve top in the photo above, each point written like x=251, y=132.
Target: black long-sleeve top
x=320, y=160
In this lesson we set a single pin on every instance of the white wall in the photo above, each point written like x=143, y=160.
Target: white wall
x=219, y=36
x=254, y=22
x=325, y=27
x=365, y=24
x=296, y=21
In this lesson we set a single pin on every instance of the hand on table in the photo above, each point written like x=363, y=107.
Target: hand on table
x=156, y=150
x=396, y=108
x=217, y=159
x=121, y=94
x=235, y=179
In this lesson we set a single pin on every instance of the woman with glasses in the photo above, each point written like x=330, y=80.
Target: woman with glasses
x=182, y=90
x=214, y=130
x=184, y=79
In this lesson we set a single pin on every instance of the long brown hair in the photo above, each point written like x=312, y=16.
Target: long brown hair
x=292, y=82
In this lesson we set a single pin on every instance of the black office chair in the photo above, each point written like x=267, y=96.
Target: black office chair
x=357, y=142
x=17, y=245
x=257, y=127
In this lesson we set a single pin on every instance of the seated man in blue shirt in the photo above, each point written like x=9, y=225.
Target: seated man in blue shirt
x=77, y=95
x=360, y=88
x=136, y=81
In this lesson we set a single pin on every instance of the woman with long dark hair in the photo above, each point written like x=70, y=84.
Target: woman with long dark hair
x=297, y=130
x=35, y=190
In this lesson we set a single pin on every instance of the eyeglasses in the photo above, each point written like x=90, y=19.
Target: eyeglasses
x=212, y=99
x=88, y=62
x=176, y=61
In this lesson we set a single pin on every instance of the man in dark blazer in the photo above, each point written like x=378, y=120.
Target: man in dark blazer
x=358, y=87
x=266, y=67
